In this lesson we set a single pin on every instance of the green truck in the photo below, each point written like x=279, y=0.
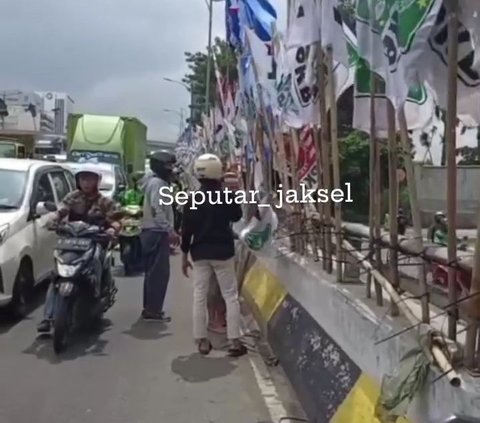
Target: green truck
x=107, y=139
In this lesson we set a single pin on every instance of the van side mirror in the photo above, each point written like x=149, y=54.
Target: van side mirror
x=40, y=209
x=49, y=206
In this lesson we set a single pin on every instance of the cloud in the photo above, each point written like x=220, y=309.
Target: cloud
x=109, y=55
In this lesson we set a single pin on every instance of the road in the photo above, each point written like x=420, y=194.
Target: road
x=130, y=371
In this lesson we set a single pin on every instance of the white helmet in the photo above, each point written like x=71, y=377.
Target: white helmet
x=208, y=166
x=88, y=169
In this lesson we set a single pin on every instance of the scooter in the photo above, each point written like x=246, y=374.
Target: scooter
x=129, y=238
x=440, y=274
x=77, y=303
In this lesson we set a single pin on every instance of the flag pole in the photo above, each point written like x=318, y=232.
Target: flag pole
x=375, y=194
x=335, y=162
x=325, y=149
x=393, y=202
x=371, y=180
x=296, y=206
x=415, y=210
x=378, y=215
x=450, y=139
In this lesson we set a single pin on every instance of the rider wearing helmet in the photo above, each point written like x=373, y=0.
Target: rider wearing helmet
x=437, y=233
x=133, y=196
x=87, y=204
x=157, y=235
x=208, y=237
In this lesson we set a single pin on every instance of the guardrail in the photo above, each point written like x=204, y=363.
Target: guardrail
x=307, y=236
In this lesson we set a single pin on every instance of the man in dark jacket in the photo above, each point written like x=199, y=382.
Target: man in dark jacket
x=208, y=237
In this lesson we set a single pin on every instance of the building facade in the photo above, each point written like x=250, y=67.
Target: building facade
x=25, y=112
x=60, y=105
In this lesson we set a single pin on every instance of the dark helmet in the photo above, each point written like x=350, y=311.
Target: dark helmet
x=162, y=163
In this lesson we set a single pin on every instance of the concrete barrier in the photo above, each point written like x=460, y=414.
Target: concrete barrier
x=324, y=336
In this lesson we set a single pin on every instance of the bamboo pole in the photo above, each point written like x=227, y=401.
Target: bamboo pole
x=371, y=180
x=440, y=358
x=325, y=148
x=450, y=140
x=297, y=207
x=320, y=236
x=473, y=306
x=292, y=218
x=393, y=201
x=335, y=161
x=282, y=161
x=415, y=209
x=375, y=194
x=377, y=200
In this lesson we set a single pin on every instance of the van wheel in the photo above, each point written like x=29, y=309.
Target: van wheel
x=22, y=290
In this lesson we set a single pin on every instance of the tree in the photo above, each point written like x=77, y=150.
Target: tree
x=355, y=169
x=197, y=77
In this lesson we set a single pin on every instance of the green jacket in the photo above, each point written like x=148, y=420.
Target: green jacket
x=440, y=237
x=132, y=197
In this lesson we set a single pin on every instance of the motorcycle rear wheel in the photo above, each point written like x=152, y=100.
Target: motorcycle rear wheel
x=61, y=324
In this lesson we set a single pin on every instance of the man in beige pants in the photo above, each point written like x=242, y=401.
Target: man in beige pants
x=208, y=237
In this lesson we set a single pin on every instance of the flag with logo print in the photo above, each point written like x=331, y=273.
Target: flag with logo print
x=393, y=37
x=434, y=65
x=386, y=50
x=297, y=81
x=419, y=106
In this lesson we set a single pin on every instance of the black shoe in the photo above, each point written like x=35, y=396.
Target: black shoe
x=44, y=326
x=154, y=316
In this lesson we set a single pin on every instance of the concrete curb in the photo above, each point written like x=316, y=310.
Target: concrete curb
x=329, y=384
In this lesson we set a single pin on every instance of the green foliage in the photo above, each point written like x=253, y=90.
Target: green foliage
x=355, y=169
x=196, y=78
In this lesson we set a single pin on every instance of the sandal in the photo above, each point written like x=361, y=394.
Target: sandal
x=204, y=347
x=237, y=350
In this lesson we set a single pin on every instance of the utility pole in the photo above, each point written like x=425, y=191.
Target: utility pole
x=209, y=57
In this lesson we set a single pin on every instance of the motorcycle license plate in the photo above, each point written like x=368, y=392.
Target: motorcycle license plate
x=74, y=244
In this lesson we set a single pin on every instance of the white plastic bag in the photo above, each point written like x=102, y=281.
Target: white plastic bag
x=258, y=235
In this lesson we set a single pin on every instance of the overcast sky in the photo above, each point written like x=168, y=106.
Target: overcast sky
x=110, y=55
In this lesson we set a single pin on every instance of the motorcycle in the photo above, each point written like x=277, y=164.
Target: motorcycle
x=77, y=304
x=463, y=278
x=129, y=238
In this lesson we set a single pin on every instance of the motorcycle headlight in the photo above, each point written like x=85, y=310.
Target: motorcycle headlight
x=67, y=270
x=4, y=229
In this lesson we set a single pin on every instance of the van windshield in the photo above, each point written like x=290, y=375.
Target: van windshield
x=12, y=186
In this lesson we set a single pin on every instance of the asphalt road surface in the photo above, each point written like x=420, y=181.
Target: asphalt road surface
x=129, y=371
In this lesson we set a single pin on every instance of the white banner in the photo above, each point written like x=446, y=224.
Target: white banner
x=434, y=65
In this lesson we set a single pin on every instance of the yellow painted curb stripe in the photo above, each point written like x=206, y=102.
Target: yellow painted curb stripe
x=265, y=290
x=359, y=406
